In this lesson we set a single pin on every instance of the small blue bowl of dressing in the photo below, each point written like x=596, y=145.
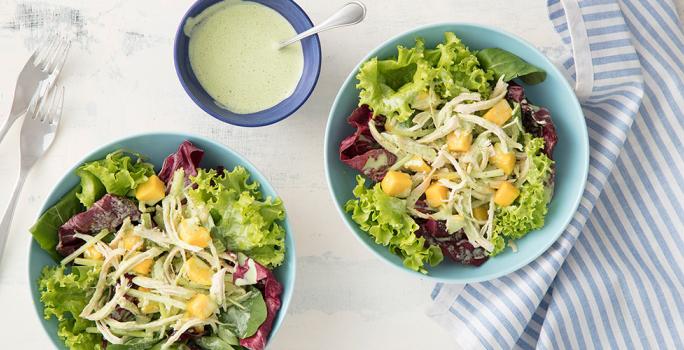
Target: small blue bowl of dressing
x=226, y=59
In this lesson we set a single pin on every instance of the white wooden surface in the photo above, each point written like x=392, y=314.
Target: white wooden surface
x=120, y=80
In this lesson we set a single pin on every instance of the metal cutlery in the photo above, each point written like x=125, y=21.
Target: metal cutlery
x=43, y=66
x=37, y=133
x=351, y=13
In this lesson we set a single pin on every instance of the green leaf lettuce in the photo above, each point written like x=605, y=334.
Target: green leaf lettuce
x=118, y=173
x=528, y=211
x=245, y=221
x=64, y=295
x=386, y=219
x=44, y=231
x=502, y=62
x=391, y=87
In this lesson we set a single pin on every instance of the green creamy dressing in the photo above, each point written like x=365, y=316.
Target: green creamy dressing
x=376, y=163
x=234, y=54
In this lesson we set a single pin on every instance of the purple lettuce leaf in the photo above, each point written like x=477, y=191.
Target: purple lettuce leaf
x=536, y=120
x=187, y=157
x=271, y=289
x=360, y=150
x=455, y=246
x=107, y=213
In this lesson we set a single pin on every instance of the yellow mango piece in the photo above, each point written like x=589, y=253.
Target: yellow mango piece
x=500, y=113
x=417, y=164
x=436, y=194
x=143, y=267
x=200, y=306
x=150, y=307
x=506, y=194
x=194, y=234
x=503, y=160
x=396, y=184
x=480, y=213
x=130, y=240
x=151, y=191
x=447, y=175
x=459, y=141
x=198, y=271
x=92, y=253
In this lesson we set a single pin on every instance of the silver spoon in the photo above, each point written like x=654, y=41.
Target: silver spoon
x=351, y=13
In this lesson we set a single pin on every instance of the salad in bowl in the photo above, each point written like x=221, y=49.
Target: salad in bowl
x=453, y=160
x=181, y=258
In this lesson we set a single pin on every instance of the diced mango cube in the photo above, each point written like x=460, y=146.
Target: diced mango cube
x=436, y=194
x=459, y=141
x=194, y=234
x=150, y=307
x=480, y=213
x=396, y=184
x=200, y=306
x=500, y=113
x=417, y=164
x=143, y=267
x=93, y=253
x=130, y=240
x=151, y=191
x=503, y=160
x=506, y=194
x=198, y=271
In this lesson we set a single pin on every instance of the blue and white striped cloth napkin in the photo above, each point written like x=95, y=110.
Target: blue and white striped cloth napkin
x=615, y=278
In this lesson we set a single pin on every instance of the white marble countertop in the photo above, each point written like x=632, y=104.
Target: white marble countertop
x=120, y=80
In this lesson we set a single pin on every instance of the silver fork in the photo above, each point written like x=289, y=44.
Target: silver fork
x=37, y=133
x=43, y=66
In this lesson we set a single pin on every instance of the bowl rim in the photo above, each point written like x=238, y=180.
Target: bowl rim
x=285, y=297
x=513, y=267
x=256, y=115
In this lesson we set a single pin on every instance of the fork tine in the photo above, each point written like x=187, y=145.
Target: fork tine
x=35, y=102
x=48, y=105
x=39, y=97
x=56, y=64
x=34, y=56
x=56, y=110
x=53, y=55
x=46, y=50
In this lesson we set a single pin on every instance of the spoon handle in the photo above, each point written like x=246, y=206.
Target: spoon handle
x=351, y=13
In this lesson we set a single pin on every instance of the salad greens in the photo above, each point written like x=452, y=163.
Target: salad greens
x=44, y=231
x=528, y=213
x=387, y=220
x=416, y=77
x=462, y=159
x=64, y=295
x=510, y=66
x=243, y=220
x=181, y=264
x=244, y=322
x=117, y=174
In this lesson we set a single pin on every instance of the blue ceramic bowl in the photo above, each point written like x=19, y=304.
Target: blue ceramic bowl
x=156, y=147
x=571, y=153
x=311, y=47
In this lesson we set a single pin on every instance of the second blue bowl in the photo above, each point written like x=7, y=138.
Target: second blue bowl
x=156, y=146
x=311, y=47
x=571, y=152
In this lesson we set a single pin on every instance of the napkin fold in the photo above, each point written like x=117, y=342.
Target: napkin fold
x=615, y=277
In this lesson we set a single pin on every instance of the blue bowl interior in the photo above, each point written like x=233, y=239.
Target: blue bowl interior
x=156, y=147
x=571, y=153
x=312, y=66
